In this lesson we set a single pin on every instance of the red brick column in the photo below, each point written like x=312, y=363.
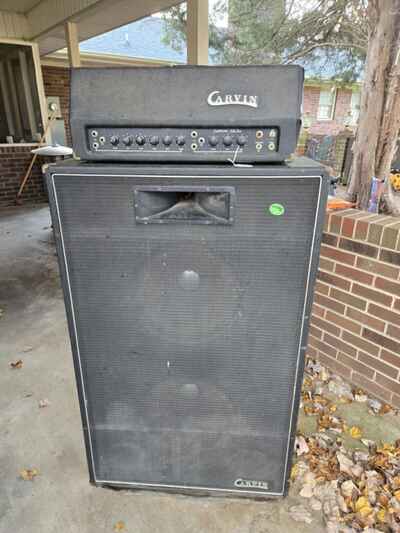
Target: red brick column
x=355, y=325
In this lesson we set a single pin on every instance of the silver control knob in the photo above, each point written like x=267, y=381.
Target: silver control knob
x=167, y=140
x=213, y=140
x=114, y=140
x=227, y=140
x=140, y=140
x=241, y=140
x=180, y=140
x=154, y=140
x=128, y=140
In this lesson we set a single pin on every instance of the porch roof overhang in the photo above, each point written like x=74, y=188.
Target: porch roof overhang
x=43, y=21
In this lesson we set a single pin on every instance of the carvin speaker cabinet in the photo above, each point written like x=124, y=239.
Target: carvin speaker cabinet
x=188, y=293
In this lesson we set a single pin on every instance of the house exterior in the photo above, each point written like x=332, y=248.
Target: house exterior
x=329, y=107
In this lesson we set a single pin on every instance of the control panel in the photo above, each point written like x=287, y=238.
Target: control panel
x=262, y=140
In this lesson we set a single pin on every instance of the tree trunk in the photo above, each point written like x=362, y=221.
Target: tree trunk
x=379, y=122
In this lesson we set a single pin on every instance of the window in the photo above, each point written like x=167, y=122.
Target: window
x=355, y=107
x=326, y=106
x=21, y=118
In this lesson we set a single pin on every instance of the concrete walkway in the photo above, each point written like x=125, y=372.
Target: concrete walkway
x=60, y=499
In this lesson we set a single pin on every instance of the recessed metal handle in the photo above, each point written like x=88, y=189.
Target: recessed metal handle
x=192, y=205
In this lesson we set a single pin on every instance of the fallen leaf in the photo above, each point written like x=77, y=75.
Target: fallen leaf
x=383, y=500
x=363, y=507
x=300, y=514
x=307, y=382
x=307, y=490
x=294, y=472
x=341, y=388
x=355, y=432
x=381, y=515
x=370, y=444
x=119, y=526
x=301, y=446
x=44, y=403
x=29, y=473
x=374, y=405
x=345, y=464
x=348, y=488
x=17, y=364
x=324, y=374
x=360, y=456
x=386, y=408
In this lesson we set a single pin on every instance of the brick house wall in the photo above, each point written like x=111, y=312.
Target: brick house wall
x=14, y=160
x=355, y=324
x=56, y=83
x=341, y=110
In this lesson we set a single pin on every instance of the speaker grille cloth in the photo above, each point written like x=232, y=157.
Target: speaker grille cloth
x=188, y=383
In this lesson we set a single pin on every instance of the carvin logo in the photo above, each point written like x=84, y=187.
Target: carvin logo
x=215, y=98
x=251, y=484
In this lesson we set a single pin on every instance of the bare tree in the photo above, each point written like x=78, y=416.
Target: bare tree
x=379, y=122
x=324, y=33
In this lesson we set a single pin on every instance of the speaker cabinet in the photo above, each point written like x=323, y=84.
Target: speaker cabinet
x=187, y=292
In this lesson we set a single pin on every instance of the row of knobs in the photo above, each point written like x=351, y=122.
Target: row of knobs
x=141, y=140
x=180, y=140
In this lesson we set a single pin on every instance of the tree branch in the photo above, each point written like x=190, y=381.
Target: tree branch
x=306, y=51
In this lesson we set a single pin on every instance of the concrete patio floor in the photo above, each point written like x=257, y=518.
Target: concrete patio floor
x=60, y=499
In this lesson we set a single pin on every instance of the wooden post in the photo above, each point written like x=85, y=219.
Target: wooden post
x=197, y=32
x=71, y=36
x=40, y=88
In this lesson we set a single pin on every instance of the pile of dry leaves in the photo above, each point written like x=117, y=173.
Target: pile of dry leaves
x=356, y=490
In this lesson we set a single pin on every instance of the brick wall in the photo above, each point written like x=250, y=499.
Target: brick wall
x=14, y=161
x=342, y=107
x=355, y=325
x=56, y=83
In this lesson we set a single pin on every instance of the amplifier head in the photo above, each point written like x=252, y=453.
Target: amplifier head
x=186, y=113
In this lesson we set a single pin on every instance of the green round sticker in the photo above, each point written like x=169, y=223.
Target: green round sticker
x=276, y=209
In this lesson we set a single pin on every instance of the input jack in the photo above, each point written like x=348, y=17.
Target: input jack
x=95, y=146
x=93, y=133
x=194, y=134
x=259, y=134
x=194, y=146
x=202, y=140
x=102, y=140
x=259, y=146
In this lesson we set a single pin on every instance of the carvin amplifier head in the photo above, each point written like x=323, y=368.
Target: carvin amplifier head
x=186, y=113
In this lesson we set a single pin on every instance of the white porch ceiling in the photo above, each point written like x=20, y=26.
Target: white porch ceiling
x=18, y=6
x=45, y=19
